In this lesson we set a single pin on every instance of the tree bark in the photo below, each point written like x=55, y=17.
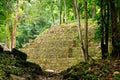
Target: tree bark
x=86, y=30
x=74, y=8
x=60, y=7
x=65, y=11
x=104, y=12
x=11, y=35
x=52, y=15
x=94, y=11
x=15, y=26
x=115, y=33
x=102, y=30
x=107, y=29
x=7, y=36
x=119, y=16
x=79, y=30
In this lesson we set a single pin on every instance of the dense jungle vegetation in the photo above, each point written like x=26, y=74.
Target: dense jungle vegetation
x=79, y=32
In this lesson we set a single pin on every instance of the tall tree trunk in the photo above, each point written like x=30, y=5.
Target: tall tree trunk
x=53, y=20
x=60, y=7
x=86, y=30
x=102, y=30
x=115, y=33
x=119, y=15
x=94, y=11
x=106, y=28
x=79, y=29
x=74, y=8
x=65, y=10
x=118, y=11
x=11, y=35
x=7, y=36
x=15, y=26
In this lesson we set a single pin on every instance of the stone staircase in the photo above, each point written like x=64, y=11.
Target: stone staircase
x=56, y=48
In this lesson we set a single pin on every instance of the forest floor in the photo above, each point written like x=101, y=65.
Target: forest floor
x=92, y=70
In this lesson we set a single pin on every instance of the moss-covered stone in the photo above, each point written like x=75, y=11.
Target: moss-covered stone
x=98, y=70
x=14, y=65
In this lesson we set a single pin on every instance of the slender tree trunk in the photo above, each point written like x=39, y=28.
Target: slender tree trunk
x=102, y=30
x=115, y=33
x=119, y=15
x=94, y=11
x=65, y=10
x=53, y=21
x=15, y=26
x=7, y=36
x=11, y=35
x=118, y=11
x=86, y=29
x=74, y=8
x=79, y=30
x=107, y=29
x=60, y=7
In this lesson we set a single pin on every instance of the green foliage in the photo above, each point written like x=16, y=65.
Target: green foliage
x=116, y=77
x=35, y=16
x=3, y=13
x=27, y=32
x=34, y=19
x=97, y=35
x=2, y=33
